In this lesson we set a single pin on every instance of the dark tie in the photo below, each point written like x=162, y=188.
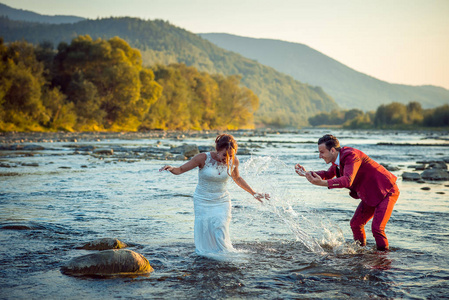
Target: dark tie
x=337, y=169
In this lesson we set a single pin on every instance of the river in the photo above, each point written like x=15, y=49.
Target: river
x=58, y=195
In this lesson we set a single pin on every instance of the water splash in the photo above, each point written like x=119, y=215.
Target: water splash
x=319, y=234
x=236, y=256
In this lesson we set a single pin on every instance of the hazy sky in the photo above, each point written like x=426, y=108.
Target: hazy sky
x=399, y=41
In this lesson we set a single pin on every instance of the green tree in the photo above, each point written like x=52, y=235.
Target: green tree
x=21, y=81
x=113, y=86
x=237, y=104
x=363, y=121
x=353, y=114
x=62, y=115
x=197, y=100
x=415, y=113
x=206, y=88
x=437, y=117
x=45, y=53
x=335, y=117
x=391, y=114
x=172, y=109
x=84, y=97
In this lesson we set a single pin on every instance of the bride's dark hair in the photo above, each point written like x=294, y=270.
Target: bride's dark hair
x=227, y=141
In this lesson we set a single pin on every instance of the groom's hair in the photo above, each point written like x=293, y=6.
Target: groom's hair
x=330, y=141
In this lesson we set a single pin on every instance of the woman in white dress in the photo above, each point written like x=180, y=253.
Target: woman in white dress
x=212, y=202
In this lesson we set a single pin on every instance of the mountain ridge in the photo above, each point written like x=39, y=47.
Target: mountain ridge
x=347, y=86
x=26, y=15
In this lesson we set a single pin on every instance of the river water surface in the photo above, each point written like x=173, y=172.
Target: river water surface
x=297, y=245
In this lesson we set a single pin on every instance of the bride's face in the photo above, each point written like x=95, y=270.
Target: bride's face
x=221, y=155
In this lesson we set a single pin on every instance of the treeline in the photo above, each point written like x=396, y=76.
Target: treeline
x=198, y=100
x=283, y=100
x=96, y=85
x=393, y=115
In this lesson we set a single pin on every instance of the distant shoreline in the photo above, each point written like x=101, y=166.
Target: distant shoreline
x=44, y=137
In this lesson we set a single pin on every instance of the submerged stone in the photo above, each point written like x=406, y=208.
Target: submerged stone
x=180, y=157
x=243, y=151
x=31, y=147
x=435, y=174
x=409, y=176
x=206, y=148
x=16, y=227
x=104, y=151
x=104, y=244
x=188, y=150
x=438, y=165
x=119, y=262
x=33, y=164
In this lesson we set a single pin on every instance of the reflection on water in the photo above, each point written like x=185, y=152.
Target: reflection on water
x=297, y=245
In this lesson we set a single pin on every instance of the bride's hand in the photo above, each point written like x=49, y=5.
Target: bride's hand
x=260, y=196
x=166, y=168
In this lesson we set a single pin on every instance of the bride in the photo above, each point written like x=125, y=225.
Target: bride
x=212, y=202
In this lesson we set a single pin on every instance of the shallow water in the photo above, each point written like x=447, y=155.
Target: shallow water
x=298, y=245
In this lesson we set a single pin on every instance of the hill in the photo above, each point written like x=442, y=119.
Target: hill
x=283, y=100
x=25, y=15
x=349, y=88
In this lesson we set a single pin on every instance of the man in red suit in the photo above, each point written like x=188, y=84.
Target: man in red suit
x=366, y=179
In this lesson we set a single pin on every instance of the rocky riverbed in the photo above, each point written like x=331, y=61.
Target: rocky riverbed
x=170, y=145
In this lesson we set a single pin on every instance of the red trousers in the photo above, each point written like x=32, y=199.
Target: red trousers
x=380, y=215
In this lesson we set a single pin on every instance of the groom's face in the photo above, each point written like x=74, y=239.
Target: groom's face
x=327, y=155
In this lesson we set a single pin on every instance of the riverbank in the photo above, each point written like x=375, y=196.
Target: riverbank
x=61, y=136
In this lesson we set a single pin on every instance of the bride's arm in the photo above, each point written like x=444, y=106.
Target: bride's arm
x=242, y=183
x=197, y=161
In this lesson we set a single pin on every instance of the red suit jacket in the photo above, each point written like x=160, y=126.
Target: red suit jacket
x=366, y=179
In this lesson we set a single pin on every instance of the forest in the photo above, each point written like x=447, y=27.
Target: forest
x=102, y=85
x=283, y=101
x=387, y=116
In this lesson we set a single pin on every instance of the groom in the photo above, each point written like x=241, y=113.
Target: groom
x=366, y=180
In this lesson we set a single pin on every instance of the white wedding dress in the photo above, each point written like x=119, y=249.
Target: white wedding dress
x=212, y=205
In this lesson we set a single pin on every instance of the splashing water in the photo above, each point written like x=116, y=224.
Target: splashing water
x=310, y=228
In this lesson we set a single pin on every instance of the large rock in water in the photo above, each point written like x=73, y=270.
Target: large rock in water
x=438, y=165
x=108, y=263
x=188, y=150
x=435, y=174
x=409, y=176
x=104, y=244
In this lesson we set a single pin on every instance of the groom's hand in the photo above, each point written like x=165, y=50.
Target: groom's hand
x=300, y=170
x=315, y=179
